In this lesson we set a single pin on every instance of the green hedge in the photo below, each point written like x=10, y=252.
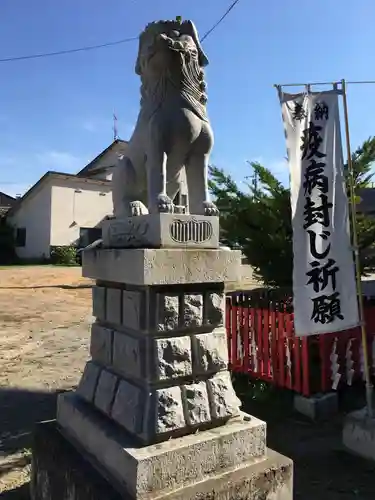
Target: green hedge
x=64, y=255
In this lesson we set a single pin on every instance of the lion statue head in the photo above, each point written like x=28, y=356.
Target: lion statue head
x=171, y=61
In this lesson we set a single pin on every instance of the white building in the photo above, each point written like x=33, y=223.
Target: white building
x=64, y=209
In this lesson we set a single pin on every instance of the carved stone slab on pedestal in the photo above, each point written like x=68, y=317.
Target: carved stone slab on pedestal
x=128, y=407
x=101, y=344
x=87, y=386
x=105, y=391
x=99, y=302
x=129, y=355
x=162, y=266
x=162, y=230
x=113, y=305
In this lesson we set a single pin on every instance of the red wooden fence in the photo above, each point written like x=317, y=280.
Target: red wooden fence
x=262, y=344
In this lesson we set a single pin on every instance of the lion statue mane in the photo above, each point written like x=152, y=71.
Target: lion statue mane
x=169, y=150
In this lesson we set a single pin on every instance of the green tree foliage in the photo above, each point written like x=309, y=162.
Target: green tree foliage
x=257, y=219
x=363, y=159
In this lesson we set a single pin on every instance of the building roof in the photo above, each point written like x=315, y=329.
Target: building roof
x=6, y=201
x=91, y=165
x=6, y=196
x=54, y=175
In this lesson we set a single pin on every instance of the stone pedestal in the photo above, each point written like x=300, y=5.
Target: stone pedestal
x=318, y=406
x=61, y=472
x=359, y=434
x=155, y=411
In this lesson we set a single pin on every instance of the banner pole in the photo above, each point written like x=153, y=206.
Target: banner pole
x=369, y=387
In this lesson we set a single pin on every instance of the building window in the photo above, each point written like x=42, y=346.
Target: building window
x=21, y=237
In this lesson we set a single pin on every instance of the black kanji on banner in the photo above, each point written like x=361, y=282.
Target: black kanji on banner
x=324, y=235
x=314, y=177
x=321, y=111
x=326, y=308
x=299, y=113
x=317, y=213
x=311, y=142
x=323, y=272
x=321, y=275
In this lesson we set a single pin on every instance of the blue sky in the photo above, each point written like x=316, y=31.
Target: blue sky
x=56, y=113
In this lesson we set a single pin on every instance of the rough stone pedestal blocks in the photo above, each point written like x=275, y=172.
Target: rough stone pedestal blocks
x=128, y=355
x=155, y=406
x=173, y=358
x=101, y=344
x=210, y=351
x=158, y=345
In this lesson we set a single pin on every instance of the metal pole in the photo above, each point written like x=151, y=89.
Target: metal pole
x=303, y=84
x=369, y=387
x=364, y=82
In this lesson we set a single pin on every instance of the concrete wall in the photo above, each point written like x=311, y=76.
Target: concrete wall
x=35, y=216
x=77, y=204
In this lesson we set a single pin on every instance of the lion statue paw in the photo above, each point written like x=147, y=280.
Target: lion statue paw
x=137, y=208
x=165, y=204
x=210, y=208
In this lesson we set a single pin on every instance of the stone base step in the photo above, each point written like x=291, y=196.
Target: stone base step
x=160, y=467
x=61, y=472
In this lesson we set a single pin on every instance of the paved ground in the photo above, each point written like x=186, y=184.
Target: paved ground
x=44, y=333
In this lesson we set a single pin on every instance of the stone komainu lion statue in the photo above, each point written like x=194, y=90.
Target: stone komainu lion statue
x=172, y=135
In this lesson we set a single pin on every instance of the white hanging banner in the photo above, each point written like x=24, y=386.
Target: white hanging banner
x=324, y=287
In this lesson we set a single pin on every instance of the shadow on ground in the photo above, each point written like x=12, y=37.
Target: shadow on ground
x=322, y=468
x=20, y=493
x=20, y=410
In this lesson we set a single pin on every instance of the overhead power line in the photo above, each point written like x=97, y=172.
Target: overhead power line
x=69, y=51
x=108, y=44
x=208, y=33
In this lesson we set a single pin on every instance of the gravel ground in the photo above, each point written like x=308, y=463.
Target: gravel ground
x=45, y=317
